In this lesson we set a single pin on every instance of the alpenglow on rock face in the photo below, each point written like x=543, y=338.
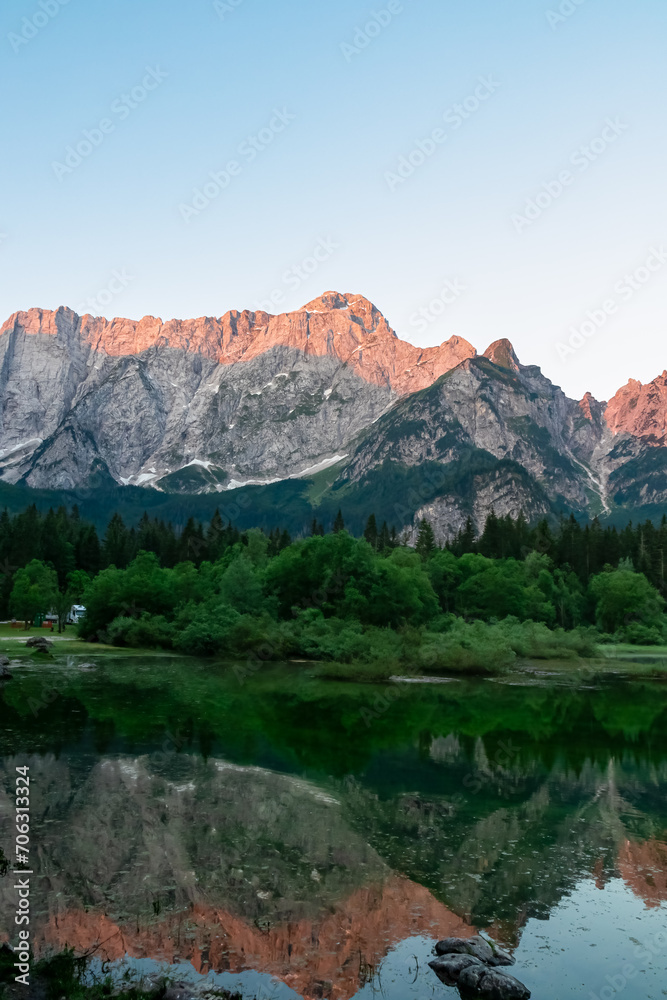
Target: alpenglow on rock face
x=214, y=404
x=199, y=403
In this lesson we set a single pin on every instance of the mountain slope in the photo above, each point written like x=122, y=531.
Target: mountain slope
x=328, y=395
x=250, y=397
x=511, y=434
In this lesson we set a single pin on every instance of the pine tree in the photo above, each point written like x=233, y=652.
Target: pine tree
x=191, y=545
x=339, y=523
x=215, y=540
x=465, y=541
x=116, y=546
x=491, y=542
x=384, y=541
x=285, y=540
x=371, y=531
x=426, y=540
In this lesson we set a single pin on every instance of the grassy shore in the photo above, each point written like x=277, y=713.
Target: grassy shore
x=12, y=643
x=619, y=660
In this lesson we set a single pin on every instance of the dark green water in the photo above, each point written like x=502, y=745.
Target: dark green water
x=293, y=835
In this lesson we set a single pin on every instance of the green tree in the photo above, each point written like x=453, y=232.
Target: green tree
x=623, y=597
x=240, y=587
x=339, y=523
x=34, y=591
x=445, y=575
x=426, y=540
x=215, y=536
x=116, y=550
x=371, y=531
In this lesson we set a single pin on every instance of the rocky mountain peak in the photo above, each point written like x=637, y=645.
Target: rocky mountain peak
x=332, y=300
x=586, y=405
x=640, y=410
x=501, y=353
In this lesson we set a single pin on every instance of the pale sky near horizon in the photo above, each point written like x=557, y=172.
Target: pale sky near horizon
x=483, y=106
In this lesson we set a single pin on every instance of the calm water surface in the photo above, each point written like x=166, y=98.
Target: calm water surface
x=294, y=836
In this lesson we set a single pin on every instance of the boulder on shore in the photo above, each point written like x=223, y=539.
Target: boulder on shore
x=39, y=642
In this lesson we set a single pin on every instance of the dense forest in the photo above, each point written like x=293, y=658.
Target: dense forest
x=546, y=590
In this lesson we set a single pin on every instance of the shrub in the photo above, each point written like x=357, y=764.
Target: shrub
x=150, y=631
x=533, y=640
x=208, y=630
x=640, y=635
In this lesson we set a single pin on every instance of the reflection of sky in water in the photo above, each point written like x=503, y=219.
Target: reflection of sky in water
x=615, y=925
x=550, y=958
x=257, y=985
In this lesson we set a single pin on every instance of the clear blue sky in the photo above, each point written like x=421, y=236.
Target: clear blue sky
x=323, y=177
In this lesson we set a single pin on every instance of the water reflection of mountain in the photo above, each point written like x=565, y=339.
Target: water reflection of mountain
x=287, y=836
x=224, y=866
x=502, y=843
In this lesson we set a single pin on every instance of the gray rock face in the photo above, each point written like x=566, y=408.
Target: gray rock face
x=77, y=411
x=68, y=413
x=517, y=441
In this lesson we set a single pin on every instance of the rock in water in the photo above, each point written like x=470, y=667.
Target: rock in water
x=5, y=673
x=448, y=968
x=485, y=951
x=490, y=984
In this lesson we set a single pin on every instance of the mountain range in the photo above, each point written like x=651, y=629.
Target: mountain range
x=324, y=407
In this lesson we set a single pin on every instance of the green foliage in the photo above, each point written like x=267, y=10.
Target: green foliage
x=34, y=591
x=147, y=631
x=344, y=640
x=207, y=629
x=641, y=635
x=241, y=587
x=474, y=605
x=426, y=540
x=622, y=598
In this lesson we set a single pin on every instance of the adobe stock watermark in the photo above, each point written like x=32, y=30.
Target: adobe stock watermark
x=249, y=149
x=451, y=291
x=625, y=289
x=94, y=304
x=455, y=117
x=364, y=34
x=31, y=26
x=582, y=158
x=295, y=276
x=642, y=953
x=121, y=108
x=225, y=7
x=564, y=11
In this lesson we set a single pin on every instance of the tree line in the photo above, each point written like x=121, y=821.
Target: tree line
x=210, y=588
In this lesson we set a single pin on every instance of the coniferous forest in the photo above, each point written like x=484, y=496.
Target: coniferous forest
x=549, y=590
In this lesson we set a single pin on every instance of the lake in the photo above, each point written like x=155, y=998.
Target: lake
x=292, y=836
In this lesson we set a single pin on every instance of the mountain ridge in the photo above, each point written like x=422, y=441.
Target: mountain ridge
x=214, y=404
